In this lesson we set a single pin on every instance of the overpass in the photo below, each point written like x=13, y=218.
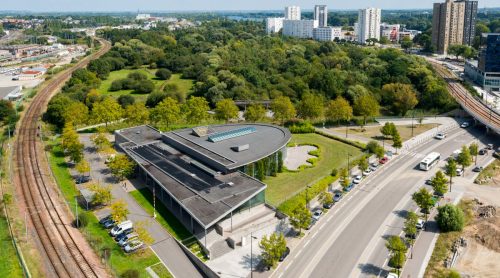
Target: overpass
x=473, y=105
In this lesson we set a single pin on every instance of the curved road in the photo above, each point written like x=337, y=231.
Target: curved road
x=64, y=251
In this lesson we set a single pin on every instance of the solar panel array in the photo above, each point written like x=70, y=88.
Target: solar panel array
x=221, y=136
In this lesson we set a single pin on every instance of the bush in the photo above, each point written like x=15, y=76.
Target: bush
x=144, y=87
x=155, y=98
x=299, y=199
x=130, y=273
x=138, y=76
x=163, y=74
x=334, y=172
x=126, y=100
x=116, y=85
x=450, y=218
x=300, y=127
x=83, y=219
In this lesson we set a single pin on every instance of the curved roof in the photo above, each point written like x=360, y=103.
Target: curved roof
x=237, y=144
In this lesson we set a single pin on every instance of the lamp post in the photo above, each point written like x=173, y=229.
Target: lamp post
x=154, y=200
x=348, y=164
x=251, y=253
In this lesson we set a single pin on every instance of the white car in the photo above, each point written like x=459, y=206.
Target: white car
x=357, y=179
x=367, y=172
x=133, y=246
x=317, y=214
x=460, y=172
x=464, y=125
x=392, y=275
x=128, y=238
x=420, y=224
x=440, y=136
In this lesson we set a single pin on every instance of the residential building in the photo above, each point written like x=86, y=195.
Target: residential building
x=327, y=33
x=293, y=13
x=299, y=28
x=390, y=31
x=142, y=17
x=486, y=71
x=368, y=24
x=274, y=24
x=453, y=23
x=321, y=15
x=30, y=74
x=207, y=175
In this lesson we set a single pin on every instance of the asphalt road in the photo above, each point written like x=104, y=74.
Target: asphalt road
x=342, y=239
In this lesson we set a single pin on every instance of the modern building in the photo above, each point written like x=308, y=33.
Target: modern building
x=299, y=28
x=204, y=175
x=368, y=24
x=453, y=23
x=274, y=24
x=486, y=71
x=321, y=15
x=327, y=33
x=390, y=31
x=11, y=93
x=293, y=13
x=30, y=74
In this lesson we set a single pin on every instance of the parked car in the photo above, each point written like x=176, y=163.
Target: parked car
x=367, y=172
x=420, y=224
x=428, y=182
x=337, y=196
x=123, y=234
x=392, y=275
x=374, y=166
x=328, y=205
x=440, y=136
x=133, y=246
x=285, y=254
x=460, y=172
x=311, y=224
x=383, y=160
x=108, y=224
x=349, y=187
x=105, y=219
x=357, y=179
x=118, y=229
x=127, y=238
x=478, y=169
x=497, y=154
x=483, y=151
x=83, y=179
x=489, y=147
x=464, y=125
x=317, y=214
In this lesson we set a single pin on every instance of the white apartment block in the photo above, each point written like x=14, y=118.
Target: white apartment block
x=299, y=28
x=321, y=15
x=293, y=13
x=390, y=31
x=274, y=24
x=327, y=33
x=368, y=24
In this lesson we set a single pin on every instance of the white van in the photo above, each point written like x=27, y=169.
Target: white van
x=118, y=229
x=127, y=239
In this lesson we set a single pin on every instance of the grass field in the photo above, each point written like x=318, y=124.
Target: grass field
x=161, y=271
x=373, y=132
x=9, y=264
x=333, y=154
x=96, y=235
x=184, y=85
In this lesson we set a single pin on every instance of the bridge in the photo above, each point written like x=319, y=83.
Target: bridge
x=473, y=105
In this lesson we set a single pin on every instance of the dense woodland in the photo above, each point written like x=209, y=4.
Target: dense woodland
x=233, y=60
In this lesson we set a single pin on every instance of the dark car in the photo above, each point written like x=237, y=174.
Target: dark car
x=83, y=179
x=337, y=196
x=328, y=205
x=483, y=151
x=285, y=254
x=349, y=187
x=109, y=224
x=428, y=182
x=478, y=169
x=104, y=219
x=489, y=147
x=121, y=236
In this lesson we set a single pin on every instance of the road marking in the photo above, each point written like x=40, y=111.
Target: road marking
x=281, y=274
x=298, y=253
x=380, y=272
x=307, y=242
x=315, y=234
x=386, y=259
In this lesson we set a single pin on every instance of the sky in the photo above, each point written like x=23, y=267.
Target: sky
x=211, y=5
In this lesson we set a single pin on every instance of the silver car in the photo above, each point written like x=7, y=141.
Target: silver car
x=133, y=246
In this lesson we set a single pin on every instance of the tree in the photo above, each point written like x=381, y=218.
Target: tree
x=7, y=199
x=375, y=148
x=406, y=43
x=144, y=87
x=125, y=101
x=338, y=110
x=121, y=167
x=8, y=112
x=119, y=211
x=464, y=158
x=388, y=130
x=450, y=218
x=363, y=163
x=451, y=169
x=311, y=106
x=283, y=109
x=82, y=167
x=410, y=225
x=300, y=218
x=226, y=110
x=396, y=141
x=76, y=112
x=424, y=200
x=402, y=97
x=137, y=113
x=71, y=143
x=474, y=151
x=255, y=113
x=326, y=197
x=107, y=111
x=196, y=110
x=100, y=140
x=166, y=112
x=272, y=248
x=366, y=106
x=163, y=74
x=439, y=183
x=398, y=252
x=102, y=194
x=142, y=232
x=83, y=219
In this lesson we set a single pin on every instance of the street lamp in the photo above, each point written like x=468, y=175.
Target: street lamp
x=348, y=164
x=251, y=253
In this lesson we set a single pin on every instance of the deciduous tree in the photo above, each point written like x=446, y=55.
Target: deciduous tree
x=107, y=111
x=474, y=151
x=255, y=113
x=451, y=169
x=401, y=97
x=450, y=218
x=102, y=193
x=424, y=200
x=121, y=167
x=196, y=110
x=137, y=113
x=300, y=218
x=338, y=110
x=272, y=248
x=464, y=158
x=283, y=109
x=77, y=113
x=439, y=183
x=311, y=106
x=119, y=211
x=166, y=112
x=226, y=110
x=366, y=106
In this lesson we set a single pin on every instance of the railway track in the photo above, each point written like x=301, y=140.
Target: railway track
x=66, y=252
x=479, y=109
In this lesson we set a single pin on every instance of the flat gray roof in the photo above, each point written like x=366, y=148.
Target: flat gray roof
x=266, y=140
x=206, y=197
x=4, y=91
x=140, y=135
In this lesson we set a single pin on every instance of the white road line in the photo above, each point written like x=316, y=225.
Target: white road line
x=298, y=253
x=281, y=274
x=307, y=242
x=313, y=236
x=380, y=272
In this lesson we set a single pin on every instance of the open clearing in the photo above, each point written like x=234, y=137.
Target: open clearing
x=373, y=132
x=333, y=155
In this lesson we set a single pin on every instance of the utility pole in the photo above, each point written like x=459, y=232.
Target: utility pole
x=76, y=212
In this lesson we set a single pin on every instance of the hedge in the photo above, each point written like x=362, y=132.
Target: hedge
x=356, y=144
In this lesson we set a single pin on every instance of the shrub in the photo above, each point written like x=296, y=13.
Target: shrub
x=155, y=98
x=116, y=85
x=163, y=74
x=83, y=219
x=301, y=127
x=299, y=199
x=130, y=273
x=334, y=172
x=126, y=100
x=144, y=87
x=450, y=218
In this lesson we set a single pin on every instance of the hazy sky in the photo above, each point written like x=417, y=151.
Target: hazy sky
x=178, y=5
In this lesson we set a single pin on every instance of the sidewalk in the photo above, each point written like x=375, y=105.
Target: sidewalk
x=164, y=246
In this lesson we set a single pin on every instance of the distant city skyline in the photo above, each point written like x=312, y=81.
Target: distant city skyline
x=199, y=5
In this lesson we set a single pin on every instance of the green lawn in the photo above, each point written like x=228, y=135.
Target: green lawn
x=161, y=271
x=9, y=264
x=184, y=85
x=96, y=235
x=333, y=154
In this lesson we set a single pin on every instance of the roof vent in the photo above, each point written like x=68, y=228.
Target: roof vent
x=230, y=183
x=241, y=148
